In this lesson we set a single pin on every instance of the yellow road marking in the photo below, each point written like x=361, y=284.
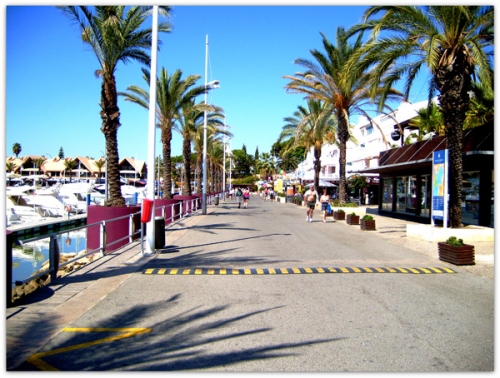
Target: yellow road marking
x=36, y=359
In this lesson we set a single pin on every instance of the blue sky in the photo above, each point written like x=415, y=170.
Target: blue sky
x=52, y=95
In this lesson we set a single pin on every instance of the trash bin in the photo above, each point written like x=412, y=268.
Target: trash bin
x=159, y=232
x=216, y=200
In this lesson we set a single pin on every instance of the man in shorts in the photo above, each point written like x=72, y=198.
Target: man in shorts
x=310, y=197
x=239, y=197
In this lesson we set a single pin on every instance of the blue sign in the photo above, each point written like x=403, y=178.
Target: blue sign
x=439, y=161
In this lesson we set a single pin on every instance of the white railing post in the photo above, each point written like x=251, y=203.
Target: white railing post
x=102, y=244
x=131, y=228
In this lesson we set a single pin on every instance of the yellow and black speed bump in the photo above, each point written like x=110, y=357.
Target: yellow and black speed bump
x=264, y=271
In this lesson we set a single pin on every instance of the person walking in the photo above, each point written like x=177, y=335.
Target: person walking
x=246, y=197
x=239, y=197
x=310, y=197
x=324, y=200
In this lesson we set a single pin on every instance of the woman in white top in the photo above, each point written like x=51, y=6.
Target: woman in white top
x=324, y=199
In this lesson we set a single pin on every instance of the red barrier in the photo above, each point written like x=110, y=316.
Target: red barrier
x=147, y=210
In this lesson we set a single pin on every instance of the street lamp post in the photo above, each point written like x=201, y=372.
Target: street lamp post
x=212, y=85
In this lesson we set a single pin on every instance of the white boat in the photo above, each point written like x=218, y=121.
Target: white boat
x=51, y=202
x=75, y=194
x=18, y=209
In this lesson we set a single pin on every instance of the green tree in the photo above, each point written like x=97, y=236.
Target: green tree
x=428, y=120
x=455, y=43
x=61, y=153
x=69, y=165
x=114, y=36
x=311, y=127
x=481, y=110
x=243, y=163
x=172, y=93
x=100, y=165
x=38, y=162
x=10, y=167
x=16, y=149
x=190, y=122
x=333, y=79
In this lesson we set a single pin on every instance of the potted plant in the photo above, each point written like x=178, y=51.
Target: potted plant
x=367, y=223
x=339, y=215
x=352, y=219
x=456, y=252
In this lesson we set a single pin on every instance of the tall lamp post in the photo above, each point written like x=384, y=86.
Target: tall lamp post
x=212, y=85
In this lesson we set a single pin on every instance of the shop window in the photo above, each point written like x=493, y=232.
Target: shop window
x=387, y=195
x=470, y=197
x=425, y=196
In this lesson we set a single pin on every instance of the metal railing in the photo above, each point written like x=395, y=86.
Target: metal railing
x=177, y=212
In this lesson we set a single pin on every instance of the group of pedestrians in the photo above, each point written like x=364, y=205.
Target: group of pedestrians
x=310, y=198
x=242, y=197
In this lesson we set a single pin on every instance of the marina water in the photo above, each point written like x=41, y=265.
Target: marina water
x=29, y=257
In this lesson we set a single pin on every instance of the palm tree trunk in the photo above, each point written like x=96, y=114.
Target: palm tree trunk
x=110, y=116
x=343, y=136
x=199, y=168
x=166, y=138
x=454, y=85
x=317, y=165
x=186, y=152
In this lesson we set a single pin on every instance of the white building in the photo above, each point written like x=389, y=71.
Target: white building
x=366, y=152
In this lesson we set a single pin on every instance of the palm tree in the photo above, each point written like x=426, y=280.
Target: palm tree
x=265, y=165
x=38, y=162
x=114, y=36
x=100, y=165
x=428, y=120
x=16, y=149
x=214, y=127
x=481, y=109
x=313, y=127
x=190, y=121
x=334, y=80
x=70, y=165
x=455, y=43
x=172, y=93
x=10, y=166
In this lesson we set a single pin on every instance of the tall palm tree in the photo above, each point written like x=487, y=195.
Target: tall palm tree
x=333, y=80
x=313, y=127
x=265, y=165
x=172, y=93
x=190, y=120
x=70, y=165
x=214, y=127
x=38, y=162
x=16, y=149
x=114, y=36
x=455, y=43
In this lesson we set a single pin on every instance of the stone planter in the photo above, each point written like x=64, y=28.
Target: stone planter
x=458, y=255
x=367, y=224
x=352, y=219
x=339, y=215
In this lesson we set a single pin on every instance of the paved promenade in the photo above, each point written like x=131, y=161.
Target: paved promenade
x=227, y=241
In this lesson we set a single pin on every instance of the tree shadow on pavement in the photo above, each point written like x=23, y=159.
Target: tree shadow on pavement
x=195, y=339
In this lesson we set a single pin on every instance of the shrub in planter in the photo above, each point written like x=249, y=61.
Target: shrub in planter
x=352, y=219
x=367, y=223
x=456, y=252
x=339, y=214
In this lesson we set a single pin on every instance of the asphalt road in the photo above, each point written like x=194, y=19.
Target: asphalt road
x=164, y=320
